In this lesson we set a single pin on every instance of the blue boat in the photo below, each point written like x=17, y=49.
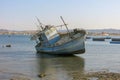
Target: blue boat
x=52, y=42
x=115, y=42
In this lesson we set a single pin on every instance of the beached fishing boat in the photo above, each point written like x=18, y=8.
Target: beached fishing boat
x=52, y=42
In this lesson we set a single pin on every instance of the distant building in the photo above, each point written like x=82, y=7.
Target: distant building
x=105, y=34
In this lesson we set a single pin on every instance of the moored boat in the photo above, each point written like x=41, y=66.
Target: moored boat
x=115, y=42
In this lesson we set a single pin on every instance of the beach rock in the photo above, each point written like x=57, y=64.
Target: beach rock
x=41, y=75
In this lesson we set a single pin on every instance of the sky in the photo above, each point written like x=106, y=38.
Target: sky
x=86, y=14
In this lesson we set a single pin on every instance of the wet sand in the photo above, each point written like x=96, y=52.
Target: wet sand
x=103, y=75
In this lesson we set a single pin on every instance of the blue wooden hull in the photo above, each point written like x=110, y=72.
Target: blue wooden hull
x=75, y=46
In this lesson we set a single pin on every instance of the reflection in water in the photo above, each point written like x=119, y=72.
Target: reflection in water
x=60, y=67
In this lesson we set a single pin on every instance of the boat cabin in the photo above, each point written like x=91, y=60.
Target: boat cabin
x=49, y=36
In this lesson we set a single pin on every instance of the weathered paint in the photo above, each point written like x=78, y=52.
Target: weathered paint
x=52, y=35
x=69, y=47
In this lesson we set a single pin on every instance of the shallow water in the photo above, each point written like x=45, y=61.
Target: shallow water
x=102, y=55
x=22, y=59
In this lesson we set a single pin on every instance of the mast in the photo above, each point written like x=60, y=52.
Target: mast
x=65, y=26
x=40, y=23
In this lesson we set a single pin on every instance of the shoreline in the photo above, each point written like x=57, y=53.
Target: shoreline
x=99, y=75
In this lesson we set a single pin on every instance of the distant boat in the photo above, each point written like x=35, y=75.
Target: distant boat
x=88, y=37
x=115, y=42
x=115, y=39
x=99, y=39
x=8, y=45
x=107, y=37
x=52, y=42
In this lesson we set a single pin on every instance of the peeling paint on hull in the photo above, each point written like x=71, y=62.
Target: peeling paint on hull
x=75, y=46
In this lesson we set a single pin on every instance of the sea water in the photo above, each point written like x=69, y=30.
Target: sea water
x=21, y=59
